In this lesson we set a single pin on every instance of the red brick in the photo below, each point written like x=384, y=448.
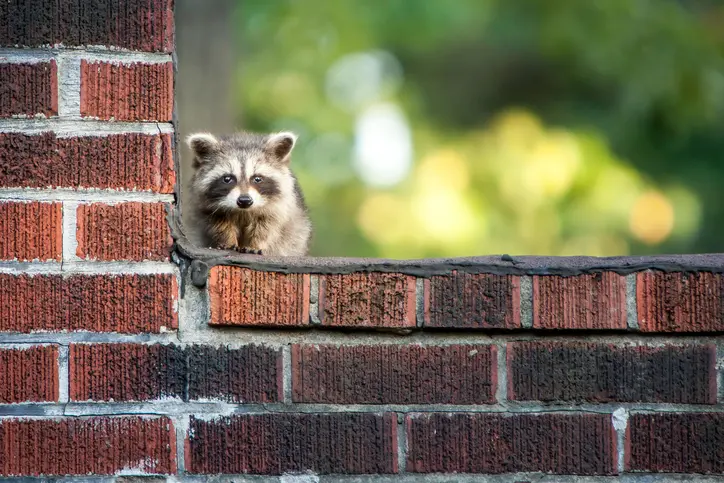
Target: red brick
x=680, y=302
x=126, y=92
x=249, y=374
x=28, y=89
x=367, y=300
x=570, y=444
x=126, y=231
x=675, y=443
x=98, y=446
x=95, y=303
x=594, y=372
x=29, y=374
x=31, y=231
x=472, y=301
x=120, y=161
x=394, y=374
x=595, y=301
x=146, y=25
x=272, y=444
x=138, y=372
x=239, y=296
x=126, y=372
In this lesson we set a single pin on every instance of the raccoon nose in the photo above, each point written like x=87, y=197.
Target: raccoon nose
x=244, y=201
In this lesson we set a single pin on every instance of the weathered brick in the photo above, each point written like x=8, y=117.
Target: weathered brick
x=126, y=372
x=680, y=302
x=31, y=231
x=98, y=446
x=126, y=92
x=239, y=296
x=126, y=231
x=675, y=443
x=96, y=303
x=272, y=444
x=28, y=374
x=121, y=161
x=139, y=372
x=594, y=372
x=394, y=374
x=249, y=374
x=146, y=25
x=367, y=300
x=28, y=89
x=472, y=301
x=572, y=444
x=596, y=301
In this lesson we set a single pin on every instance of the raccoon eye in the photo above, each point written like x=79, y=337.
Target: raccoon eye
x=228, y=178
x=256, y=179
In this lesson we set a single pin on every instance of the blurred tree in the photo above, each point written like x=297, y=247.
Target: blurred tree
x=436, y=128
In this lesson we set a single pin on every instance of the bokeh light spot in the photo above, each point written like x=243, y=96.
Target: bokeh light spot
x=652, y=218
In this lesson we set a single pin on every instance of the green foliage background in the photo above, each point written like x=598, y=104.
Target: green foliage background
x=552, y=127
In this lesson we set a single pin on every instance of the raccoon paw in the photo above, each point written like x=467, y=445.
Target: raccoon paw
x=227, y=247
x=250, y=251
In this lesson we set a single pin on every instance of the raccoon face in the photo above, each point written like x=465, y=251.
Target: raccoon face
x=245, y=172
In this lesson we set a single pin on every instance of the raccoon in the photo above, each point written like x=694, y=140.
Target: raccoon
x=246, y=197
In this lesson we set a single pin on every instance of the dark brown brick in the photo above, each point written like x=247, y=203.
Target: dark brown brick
x=126, y=92
x=579, y=371
x=146, y=25
x=29, y=374
x=675, y=443
x=367, y=300
x=394, y=374
x=239, y=296
x=126, y=231
x=120, y=161
x=466, y=300
x=95, y=303
x=680, y=302
x=595, y=301
x=28, y=89
x=138, y=372
x=272, y=444
x=126, y=372
x=98, y=446
x=570, y=444
x=31, y=231
x=249, y=374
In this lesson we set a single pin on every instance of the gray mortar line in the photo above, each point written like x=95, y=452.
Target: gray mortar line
x=631, y=308
x=91, y=54
x=66, y=128
x=216, y=409
x=501, y=393
x=619, y=420
x=287, y=374
x=181, y=425
x=63, y=374
x=70, y=240
x=420, y=301
x=88, y=267
x=314, y=300
x=82, y=195
x=68, y=87
x=719, y=368
x=526, y=302
x=401, y=444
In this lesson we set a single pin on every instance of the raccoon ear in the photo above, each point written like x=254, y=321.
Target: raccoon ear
x=280, y=145
x=202, y=144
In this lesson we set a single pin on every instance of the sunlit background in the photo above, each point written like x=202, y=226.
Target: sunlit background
x=433, y=128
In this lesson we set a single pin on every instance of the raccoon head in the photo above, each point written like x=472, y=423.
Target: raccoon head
x=246, y=171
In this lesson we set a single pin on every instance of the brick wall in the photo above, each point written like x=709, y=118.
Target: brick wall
x=127, y=352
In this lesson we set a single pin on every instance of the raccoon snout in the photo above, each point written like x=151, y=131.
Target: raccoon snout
x=244, y=201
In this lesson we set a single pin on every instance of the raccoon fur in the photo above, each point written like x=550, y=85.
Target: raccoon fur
x=245, y=196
